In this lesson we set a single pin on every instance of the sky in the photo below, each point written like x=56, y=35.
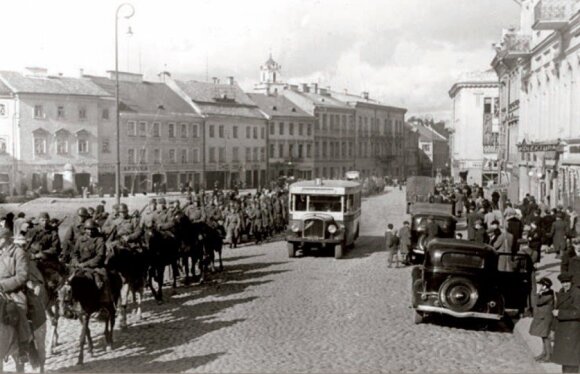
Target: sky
x=403, y=52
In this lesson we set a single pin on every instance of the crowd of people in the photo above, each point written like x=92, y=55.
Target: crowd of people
x=33, y=257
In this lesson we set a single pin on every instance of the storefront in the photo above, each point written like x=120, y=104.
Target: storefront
x=538, y=176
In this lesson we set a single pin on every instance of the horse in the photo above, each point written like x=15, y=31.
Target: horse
x=191, y=245
x=213, y=242
x=131, y=264
x=162, y=251
x=84, y=289
x=9, y=347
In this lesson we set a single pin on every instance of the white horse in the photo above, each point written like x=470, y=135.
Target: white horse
x=9, y=346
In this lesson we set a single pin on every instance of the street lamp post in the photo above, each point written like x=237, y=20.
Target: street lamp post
x=118, y=131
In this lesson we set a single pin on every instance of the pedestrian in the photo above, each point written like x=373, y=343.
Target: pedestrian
x=391, y=242
x=405, y=242
x=535, y=242
x=514, y=226
x=571, y=262
x=559, y=233
x=566, y=350
x=541, y=325
x=480, y=233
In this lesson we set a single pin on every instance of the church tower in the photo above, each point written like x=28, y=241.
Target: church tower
x=270, y=79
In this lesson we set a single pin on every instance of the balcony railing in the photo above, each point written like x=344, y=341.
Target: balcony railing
x=552, y=14
x=516, y=45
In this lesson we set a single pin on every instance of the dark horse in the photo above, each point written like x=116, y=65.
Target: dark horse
x=162, y=251
x=131, y=263
x=191, y=246
x=213, y=241
x=83, y=289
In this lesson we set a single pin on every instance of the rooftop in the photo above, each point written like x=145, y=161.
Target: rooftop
x=277, y=105
x=20, y=83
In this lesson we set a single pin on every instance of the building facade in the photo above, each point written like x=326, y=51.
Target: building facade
x=436, y=147
x=234, y=136
x=270, y=78
x=50, y=131
x=474, y=128
x=411, y=141
x=160, y=135
x=290, y=137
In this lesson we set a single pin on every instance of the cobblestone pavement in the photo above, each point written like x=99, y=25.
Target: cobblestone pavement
x=269, y=313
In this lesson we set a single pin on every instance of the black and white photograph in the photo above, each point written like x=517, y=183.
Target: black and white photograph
x=290, y=186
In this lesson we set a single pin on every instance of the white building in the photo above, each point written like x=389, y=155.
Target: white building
x=474, y=140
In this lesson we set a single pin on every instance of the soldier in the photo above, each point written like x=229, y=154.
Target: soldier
x=88, y=254
x=44, y=248
x=257, y=217
x=195, y=211
x=73, y=233
x=148, y=216
x=126, y=232
x=110, y=221
x=232, y=225
x=100, y=215
x=164, y=219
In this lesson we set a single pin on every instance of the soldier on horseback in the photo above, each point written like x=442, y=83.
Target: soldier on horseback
x=148, y=216
x=126, y=233
x=44, y=249
x=195, y=211
x=89, y=253
x=74, y=233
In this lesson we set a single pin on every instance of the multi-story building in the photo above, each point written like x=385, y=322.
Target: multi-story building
x=548, y=140
x=379, y=136
x=474, y=138
x=234, y=133
x=160, y=134
x=435, y=147
x=50, y=128
x=411, y=141
x=513, y=49
x=290, y=137
x=270, y=78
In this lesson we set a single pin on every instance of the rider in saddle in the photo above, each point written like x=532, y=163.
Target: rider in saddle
x=195, y=211
x=88, y=255
x=44, y=250
x=127, y=233
x=73, y=233
x=148, y=216
x=16, y=298
x=164, y=219
x=109, y=224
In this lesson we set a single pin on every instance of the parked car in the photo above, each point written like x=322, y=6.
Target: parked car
x=464, y=279
x=420, y=213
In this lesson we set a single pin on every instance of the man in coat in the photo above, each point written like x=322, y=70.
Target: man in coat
x=405, y=241
x=559, y=233
x=542, y=318
x=567, y=329
x=571, y=262
x=391, y=243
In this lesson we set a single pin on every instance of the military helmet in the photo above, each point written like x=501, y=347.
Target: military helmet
x=162, y=201
x=44, y=215
x=82, y=212
x=90, y=224
x=123, y=208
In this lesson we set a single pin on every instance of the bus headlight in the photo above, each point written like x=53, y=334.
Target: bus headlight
x=295, y=227
x=332, y=229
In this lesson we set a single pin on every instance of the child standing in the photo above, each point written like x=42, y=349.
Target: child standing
x=542, y=321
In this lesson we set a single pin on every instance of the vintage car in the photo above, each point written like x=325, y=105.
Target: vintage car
x=463, y=279
x=420, y=213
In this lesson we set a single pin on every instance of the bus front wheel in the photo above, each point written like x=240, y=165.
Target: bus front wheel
x=291, y=250
x=338, y=250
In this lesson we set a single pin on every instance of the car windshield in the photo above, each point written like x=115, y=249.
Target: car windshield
x=324, y=204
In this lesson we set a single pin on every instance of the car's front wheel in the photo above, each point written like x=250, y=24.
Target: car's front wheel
x=458, y=294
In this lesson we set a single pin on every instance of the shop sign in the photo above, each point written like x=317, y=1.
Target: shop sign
x=536, y=147
x=135, y=168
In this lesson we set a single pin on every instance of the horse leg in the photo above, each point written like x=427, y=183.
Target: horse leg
x=89, y=340
x=220, y=258
x=174, y=267
x=138, y=296
x=160, y=276
x=111, y=321
x=150, y=278
x=124, y=300
x=53, y=314
x=19, y=366
x=85, y=326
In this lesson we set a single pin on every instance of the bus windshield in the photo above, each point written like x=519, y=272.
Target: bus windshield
x=325, y=204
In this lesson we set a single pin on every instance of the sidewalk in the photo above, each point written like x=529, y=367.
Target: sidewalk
x=549, y=267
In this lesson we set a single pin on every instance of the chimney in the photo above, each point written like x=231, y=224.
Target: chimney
x=126, y=76
x=305, y=87
x=215, y=80
x=36, y=72
x=365, y=95
x=314, y=87
x=230, y=81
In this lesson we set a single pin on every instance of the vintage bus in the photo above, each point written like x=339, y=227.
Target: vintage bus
x=323, y=214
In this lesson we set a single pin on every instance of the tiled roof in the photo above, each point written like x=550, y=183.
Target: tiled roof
x=224, y=110
x=428, y=134
x=4, y=90
x=145, y=97
x=309, y=101
x=19, y=83
x=277, y=105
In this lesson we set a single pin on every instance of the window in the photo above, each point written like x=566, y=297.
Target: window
x=248, y=154
x=184, y=156
x=290, y=150
x=324, y=149
x=451, y=259
x=105, y=114
x=300, y=151
x=39, y=145
x=222, y=155
x=309, y=150
x=300, y=129
x=317, y=150
x=184, y=130
x=331, y=121
x=38, y=112
x=60, y=112
x=263, y=133
x=343, y=122
x=324, y=204
x=221, y=131
x=195, y=131
x=281, y=151
x=155, y=129
x=272, y=129
x=131, y=156
x=343, y=149
x=83, y=146
x=211, y=131
x=131, y=128
x=255, y=154
x=142, y=129
x=171, y=128
x=487, y=105
x=172, y=156
x=248, y=135
x=324, y=121
x=143, y=156
x=235, y=154
x=235, y=132
x=281, y=128
x=426, y=147
x=106, y=145
x=309, y=129
x=263, y=153
x=2, y=110
x=291, y=128
x=195, y=155
x=212, y=154
x=272, y=150
x=2, y=146
x=82, y=113
x=157, y=156
x=61, y=146
x=255, y=133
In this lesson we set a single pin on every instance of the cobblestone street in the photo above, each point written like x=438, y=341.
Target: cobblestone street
x=269, y=313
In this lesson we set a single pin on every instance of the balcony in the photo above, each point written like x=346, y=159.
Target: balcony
x=552, y=14
x=515, y=45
